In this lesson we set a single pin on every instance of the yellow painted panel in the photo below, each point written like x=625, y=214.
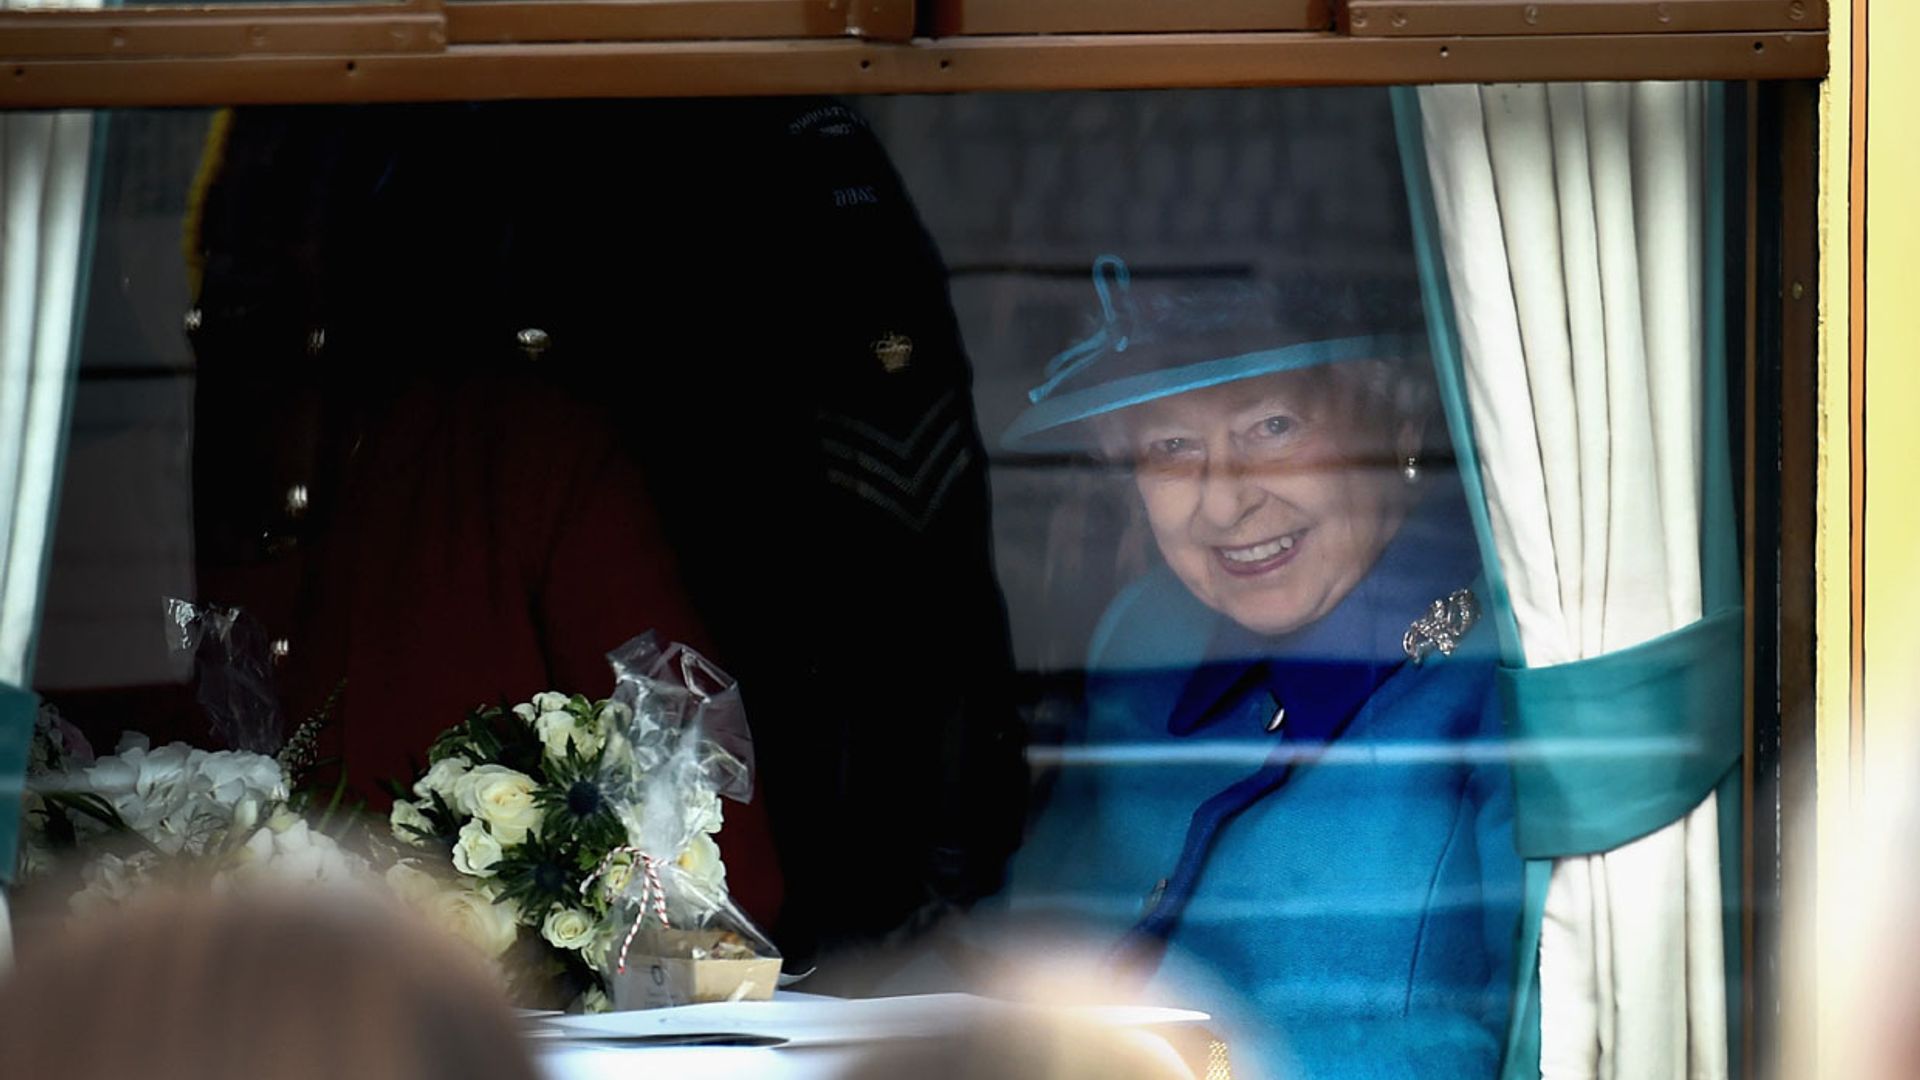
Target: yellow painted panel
x=1892, y=734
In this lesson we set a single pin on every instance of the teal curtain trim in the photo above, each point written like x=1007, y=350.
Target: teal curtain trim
x=1615, y=747
x=1444, y=344
x=1522, y=1058
x=17, y=710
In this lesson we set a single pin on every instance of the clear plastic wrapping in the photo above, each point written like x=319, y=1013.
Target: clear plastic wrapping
x=682, y=937
x=233, y=667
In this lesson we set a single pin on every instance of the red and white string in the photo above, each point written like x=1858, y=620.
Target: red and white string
x=653, y=895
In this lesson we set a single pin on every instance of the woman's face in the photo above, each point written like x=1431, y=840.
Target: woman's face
x=1270, y=498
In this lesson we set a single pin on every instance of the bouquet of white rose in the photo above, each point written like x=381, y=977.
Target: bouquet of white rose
x=539, y=829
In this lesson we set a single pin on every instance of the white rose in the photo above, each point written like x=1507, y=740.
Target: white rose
x=593, y=1000
x=412, y=884
x=442, y=778
x=701, y=862
x=526, y=713
x=550, y=701
x=476, y=851
x=501, y=797
x=619, y=752
x=619, y=874
x=405, y=819
x=603, y=952
x=614, y=716
x=473, y=917
x=558, y=728
x=568, y=928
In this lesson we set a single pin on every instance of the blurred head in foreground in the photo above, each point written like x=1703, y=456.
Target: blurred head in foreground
x=255, y=986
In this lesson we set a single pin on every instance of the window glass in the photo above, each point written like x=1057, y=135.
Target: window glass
x=1186, y=547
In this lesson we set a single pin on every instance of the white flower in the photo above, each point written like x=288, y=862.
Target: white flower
x=592, y=1000
x=550, y=701
x=257, y=849
x=246, y=814
x=412, y=884
x=603, y=951
x=568, y=928
x=472, y=916
x=409, y=824
x=110, y=879
x=699, y=809
x=181, y=799
x=619, y=874
x=701, y=862
x=295, y=854
x=442, y=778
x=501, y=797
x=477, y=851
x=558, y=728
x=619, y=751
x=229, y=776
x=614, y=716
x=525, y=712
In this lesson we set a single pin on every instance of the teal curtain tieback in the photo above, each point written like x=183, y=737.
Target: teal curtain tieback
x=1609, y=749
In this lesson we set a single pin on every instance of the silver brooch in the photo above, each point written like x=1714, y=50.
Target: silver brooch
x=1442, y=627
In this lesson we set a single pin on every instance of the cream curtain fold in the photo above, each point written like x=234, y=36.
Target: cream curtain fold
x=43, y=187
x=1571, y=219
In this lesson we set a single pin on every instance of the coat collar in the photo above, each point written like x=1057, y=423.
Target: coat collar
x=1322, y=673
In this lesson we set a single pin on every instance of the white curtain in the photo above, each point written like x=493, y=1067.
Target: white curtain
x=1571, y=221
x=43, y=194
x=43, y=186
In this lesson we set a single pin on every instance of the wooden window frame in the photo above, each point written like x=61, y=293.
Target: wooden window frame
x=443, y=50
x=953, y=17
x=1480, y=18
x=489, y=49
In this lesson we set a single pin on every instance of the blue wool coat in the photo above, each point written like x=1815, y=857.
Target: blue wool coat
x=1342, y=892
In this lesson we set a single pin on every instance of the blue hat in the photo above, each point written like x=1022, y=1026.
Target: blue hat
x=1167, y=338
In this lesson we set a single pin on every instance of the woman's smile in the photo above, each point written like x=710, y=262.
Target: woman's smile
x=1265, y=557
x=1270, y=497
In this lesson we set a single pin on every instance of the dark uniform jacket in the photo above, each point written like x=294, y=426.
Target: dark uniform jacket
x=550, y=375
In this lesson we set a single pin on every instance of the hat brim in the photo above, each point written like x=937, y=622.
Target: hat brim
x=1057, y=423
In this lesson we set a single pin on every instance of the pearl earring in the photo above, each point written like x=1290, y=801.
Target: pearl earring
x=1411, y=470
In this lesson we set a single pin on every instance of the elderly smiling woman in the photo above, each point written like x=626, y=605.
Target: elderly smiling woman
x=1288, y=778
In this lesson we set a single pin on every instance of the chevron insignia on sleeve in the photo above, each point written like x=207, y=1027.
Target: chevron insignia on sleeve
x=907, y=476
